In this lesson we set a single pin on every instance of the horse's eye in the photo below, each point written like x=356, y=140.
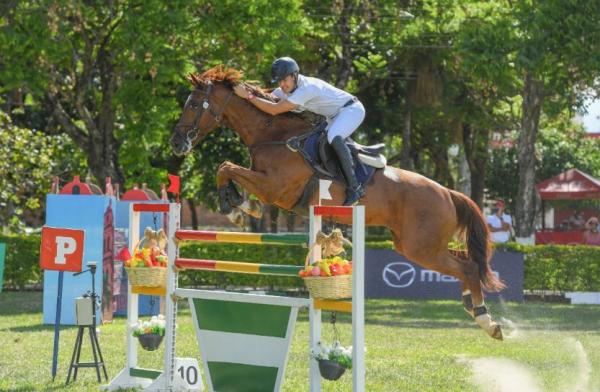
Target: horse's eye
x=194, y=105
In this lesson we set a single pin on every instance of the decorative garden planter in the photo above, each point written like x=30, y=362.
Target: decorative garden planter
x=150, y=341
x=330, y=370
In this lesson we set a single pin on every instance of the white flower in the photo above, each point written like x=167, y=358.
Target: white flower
x=154, y=319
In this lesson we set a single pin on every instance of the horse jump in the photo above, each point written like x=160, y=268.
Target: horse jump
x=215, y=358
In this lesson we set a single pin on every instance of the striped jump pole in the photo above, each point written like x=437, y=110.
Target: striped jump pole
x=243, y=238
x=239, y=267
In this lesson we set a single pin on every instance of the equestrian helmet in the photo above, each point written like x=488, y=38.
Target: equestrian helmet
x=283, y=67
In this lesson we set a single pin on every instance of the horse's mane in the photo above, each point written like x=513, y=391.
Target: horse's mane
x=230, y=77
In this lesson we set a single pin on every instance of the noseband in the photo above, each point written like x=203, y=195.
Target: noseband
x=192, y=134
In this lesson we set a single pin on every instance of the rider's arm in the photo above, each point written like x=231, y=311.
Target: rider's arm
x=273, y=108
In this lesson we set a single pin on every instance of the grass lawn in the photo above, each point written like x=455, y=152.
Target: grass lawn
x=411, y=346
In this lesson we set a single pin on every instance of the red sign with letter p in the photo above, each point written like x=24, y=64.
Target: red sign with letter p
x=62, y=249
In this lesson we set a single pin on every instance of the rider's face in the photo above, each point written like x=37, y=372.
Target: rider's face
x=287, y=84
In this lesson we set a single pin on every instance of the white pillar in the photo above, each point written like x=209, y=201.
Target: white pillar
x=314, y=315
x=171, y=302
x=358, y=299
x=132, y=299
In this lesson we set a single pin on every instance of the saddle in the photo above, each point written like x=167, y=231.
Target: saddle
x=320, y=156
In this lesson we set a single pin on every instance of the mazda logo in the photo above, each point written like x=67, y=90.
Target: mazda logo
x=399, y=274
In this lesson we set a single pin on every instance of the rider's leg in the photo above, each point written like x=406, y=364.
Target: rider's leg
x=343, y=125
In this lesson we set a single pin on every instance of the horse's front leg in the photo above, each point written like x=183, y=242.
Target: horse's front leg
x=254, y=182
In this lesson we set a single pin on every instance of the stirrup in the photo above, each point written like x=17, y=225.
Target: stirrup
x=354, y=195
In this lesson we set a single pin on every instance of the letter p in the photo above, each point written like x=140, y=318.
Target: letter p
x=64, y=246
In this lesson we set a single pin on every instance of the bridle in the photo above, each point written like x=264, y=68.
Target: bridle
x=192, y=133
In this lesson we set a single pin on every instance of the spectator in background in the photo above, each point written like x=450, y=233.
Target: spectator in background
x=591, y=236
x=576, y=221
x=500, y=223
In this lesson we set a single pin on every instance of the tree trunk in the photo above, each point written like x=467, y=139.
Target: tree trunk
x=531, y=108
x=405, y=158
x=463, y=183
x=291, y=222
x=193, y=214
x=346, y=57
x=274, y=214
x=476, y=152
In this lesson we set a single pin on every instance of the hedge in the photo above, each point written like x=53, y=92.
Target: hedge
x=547, y=267
x=21, y=265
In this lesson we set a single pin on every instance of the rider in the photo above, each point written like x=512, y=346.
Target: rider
x=343, y=111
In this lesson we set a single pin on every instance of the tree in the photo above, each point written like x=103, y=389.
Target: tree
x=556, y=54
x=30, y=159
x=104, y=70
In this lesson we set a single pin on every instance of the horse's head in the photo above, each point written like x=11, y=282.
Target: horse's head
x=202, y=113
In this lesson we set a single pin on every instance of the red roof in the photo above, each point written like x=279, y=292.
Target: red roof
x=570, y=185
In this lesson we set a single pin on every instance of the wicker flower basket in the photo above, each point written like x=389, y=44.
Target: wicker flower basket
x=329, y=287
x=147, y=276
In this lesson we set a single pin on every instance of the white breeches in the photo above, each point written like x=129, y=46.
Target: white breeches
x=346, y=121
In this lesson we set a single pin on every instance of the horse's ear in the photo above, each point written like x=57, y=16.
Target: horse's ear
x=196, y=80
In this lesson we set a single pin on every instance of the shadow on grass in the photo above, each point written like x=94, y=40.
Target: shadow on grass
x=448, y=314
x=37, y=388
x=39, y=328
x=20, y=302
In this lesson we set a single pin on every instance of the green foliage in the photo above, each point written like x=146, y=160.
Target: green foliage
x=29, y=160
x=22, y=262
x=560, y=267
x=559, y=147
x=547, y=267
x=117, y=70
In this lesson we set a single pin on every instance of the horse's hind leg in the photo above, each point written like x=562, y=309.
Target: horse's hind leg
x=467, y=298
x=468, y=273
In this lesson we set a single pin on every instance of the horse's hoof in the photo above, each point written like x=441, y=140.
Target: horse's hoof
x=484, y=320
x=235, y=199
x=497, y=333
x=225, y=207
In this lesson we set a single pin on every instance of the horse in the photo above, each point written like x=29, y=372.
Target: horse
x=422, y=215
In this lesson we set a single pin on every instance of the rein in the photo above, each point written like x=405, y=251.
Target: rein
x=293, y=143
x=195, y=128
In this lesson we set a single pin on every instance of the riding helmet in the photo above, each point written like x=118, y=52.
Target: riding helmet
x=283, y=67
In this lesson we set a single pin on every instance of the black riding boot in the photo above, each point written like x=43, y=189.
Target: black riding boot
x=354, y=191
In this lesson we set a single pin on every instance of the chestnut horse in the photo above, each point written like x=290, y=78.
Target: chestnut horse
x=422, y=215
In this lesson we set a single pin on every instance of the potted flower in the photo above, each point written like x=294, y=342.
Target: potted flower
x=333, y=360
x=150, y=333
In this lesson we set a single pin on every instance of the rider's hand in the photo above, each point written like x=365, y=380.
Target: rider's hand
x=241, y=91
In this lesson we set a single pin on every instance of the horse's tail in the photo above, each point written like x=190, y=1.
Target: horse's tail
x=472, y=222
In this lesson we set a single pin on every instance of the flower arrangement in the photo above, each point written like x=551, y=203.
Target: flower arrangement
x=332, y=266
x=152, y=253
x=147, y=257
x=150, y=333
x=333, y=360
x=156, y=325
x=336, y=353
